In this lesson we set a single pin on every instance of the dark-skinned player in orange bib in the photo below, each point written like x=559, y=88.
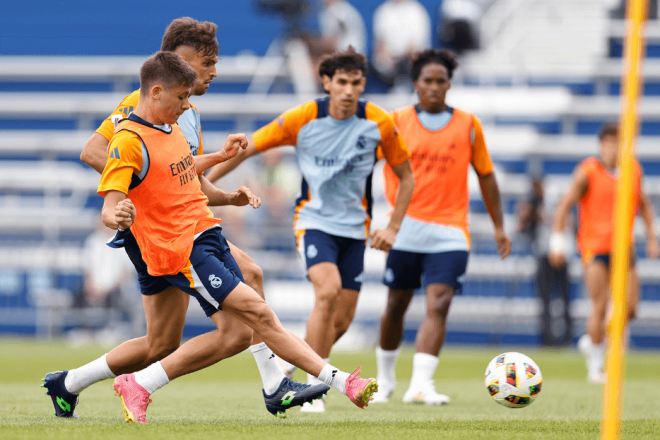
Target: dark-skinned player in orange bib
x=432, y=246
x=593, y=189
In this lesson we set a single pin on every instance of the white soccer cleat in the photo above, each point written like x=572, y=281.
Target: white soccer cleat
x=385, y=390
x=318, y=406
x=426, y=395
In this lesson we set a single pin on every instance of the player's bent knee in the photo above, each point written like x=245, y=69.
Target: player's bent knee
x=440, y=306
x=327, y=297
x=242, y=339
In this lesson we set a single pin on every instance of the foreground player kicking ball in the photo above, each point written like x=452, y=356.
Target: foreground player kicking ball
x=182, y=241
x=165, y=306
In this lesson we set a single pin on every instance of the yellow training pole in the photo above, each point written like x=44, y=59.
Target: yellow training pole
x=633, y=53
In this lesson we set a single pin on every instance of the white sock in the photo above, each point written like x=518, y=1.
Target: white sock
x=424, y=366
x=386, y=362
x=271, y=374
x=152, y=378
x=597, y=358
x=334, y=377
x=313, y=380
x=80, y=378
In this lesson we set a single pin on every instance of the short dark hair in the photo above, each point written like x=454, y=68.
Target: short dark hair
x=186, y=31
x=440, y=56
x=348, y=61
x=166, y=69
x=608, y=129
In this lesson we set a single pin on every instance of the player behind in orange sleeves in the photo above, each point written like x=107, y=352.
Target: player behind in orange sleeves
x=165, y=305
x=336, y=140
x=593, y=188
x=181, y=241
x=432, y=246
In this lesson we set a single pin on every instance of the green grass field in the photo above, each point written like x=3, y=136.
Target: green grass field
x=225, y=402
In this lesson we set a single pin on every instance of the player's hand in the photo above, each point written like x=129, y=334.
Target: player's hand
x=243, y=196
x=125, y=213
x=556, y=260
x=234, y=143
x=503, y=243
x=383, y=239
x=652, y=249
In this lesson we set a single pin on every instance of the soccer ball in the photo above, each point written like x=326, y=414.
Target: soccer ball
x=513, y=380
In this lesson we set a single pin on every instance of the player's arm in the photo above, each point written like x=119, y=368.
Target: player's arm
x=95, y=152
x=383, y=239
x=648, y=214
x=396, y=153
x=217, y=197
x=224, y=168
x=118, y=212
x=490, y=193
x=558, y=248
x=233, y=144
x=280, y=132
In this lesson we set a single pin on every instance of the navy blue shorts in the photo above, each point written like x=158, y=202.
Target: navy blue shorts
x=210, y=276
x=605, y=259
x=347, y=253
x=212, y=272
x=149, y=284
x=412, y=270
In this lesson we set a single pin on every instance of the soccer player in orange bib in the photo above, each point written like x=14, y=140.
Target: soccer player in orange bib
x=593, y=189
x=336, y=140
x=432, y=246
x=162, y=202
x=165, y=305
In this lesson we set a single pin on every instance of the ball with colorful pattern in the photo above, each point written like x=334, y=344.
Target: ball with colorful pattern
x=513, y=380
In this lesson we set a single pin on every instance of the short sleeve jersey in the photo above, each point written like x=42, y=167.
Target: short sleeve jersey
x=189, y=121
x=336, y=158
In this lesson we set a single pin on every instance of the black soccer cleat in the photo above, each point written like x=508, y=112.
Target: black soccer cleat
x=291, y=394
x=63, y=401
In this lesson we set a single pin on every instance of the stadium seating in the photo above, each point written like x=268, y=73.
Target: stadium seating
x=543, y=119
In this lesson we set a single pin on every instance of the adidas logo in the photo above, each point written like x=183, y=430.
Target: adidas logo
x=271, y=356
x=114, y=154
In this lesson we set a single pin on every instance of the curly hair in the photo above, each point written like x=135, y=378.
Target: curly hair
x=187, y=31
x=348, y=61
x=440, y=56
x=166, y=69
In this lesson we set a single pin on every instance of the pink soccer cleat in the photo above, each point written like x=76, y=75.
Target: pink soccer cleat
x=134, y=398
x=360, y=390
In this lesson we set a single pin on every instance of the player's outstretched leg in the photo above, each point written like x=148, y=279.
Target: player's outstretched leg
x=63, y=401
x=249, y=307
